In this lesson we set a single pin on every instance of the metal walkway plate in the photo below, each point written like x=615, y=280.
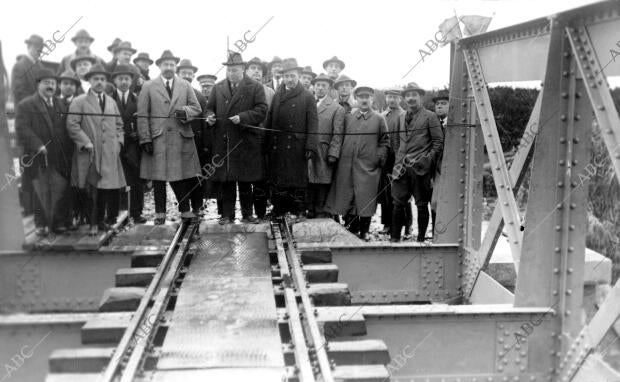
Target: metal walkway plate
x=225, y=314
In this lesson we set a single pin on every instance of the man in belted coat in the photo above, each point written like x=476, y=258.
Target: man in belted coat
x=165, y=106
x=420, y=144
x=96, y=128
x=235, y=108
x=329, y=142
x=127, y=103
x=363, y=154
x=41, y=130
x=293, y=115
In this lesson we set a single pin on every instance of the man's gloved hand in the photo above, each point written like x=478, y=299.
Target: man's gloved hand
x=147, y=147
x=331, y=160
x=309, y=154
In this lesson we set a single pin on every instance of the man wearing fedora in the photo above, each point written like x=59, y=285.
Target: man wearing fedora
x=69, y=84
x=442, y=105
x=363, y=154
x=96, y=128
x=344, y=88
x=82, y=40
x=392, y=117
x=329, y=142
x=187, y=71
x=24, y=73
x=40, y=125
x=166, y=104
x=420, y=144
x=127, y=103
x=256, y=69
x=142, y=62
x=110, y=48
x=333, y=67
x=275, y=73
x=307, y=75
x=81, y=65
x=122, y=56
x=293, y=114
x=235, y=108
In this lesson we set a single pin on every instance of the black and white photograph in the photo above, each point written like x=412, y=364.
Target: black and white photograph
x=317, y=191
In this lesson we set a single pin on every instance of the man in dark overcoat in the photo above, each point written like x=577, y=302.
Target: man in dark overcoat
x=127, y=102
x=363, y=154
x=420, y=145
x=235, y=108
x=40, y=125
x=329, y=141
x=293, y=114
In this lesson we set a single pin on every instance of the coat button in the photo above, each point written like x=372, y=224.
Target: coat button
x=224, y=135
x=288, y=146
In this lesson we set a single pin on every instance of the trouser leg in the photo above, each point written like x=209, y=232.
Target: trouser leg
x=159, y=194
x=321, y=198
x=136, y=199
x=298, y=201
x=401, y=192
x=259, y=196
x=364, y=225
x=100, y=204
x=423, y=217
x=227, y=195
x=181, y=193
x=422, y=193
x=245, y=198
x=311, y=199
x=112, y=205
x=194, y=189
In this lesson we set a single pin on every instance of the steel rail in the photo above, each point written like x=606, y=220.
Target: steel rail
x=317, y=340
x=304, y=366
x=123, y=348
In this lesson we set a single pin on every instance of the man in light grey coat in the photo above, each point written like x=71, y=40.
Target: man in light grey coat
x=165, y=106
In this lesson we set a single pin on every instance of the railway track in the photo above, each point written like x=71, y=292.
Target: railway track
x=303, y=354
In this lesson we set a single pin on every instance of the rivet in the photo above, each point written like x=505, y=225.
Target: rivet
x=562, y=140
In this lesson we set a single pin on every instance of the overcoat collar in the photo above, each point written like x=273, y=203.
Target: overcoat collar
x=325, y=103
x=369, y=113
x=294, y=92
x=43, y=110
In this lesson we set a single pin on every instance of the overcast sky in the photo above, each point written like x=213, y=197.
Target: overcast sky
x=378, y=40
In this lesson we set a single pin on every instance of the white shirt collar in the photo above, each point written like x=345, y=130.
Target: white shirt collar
x=166, y=79
x=120, y=94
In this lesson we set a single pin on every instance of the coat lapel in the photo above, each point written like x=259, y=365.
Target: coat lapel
x=238, y=93
x=91, y=98
x=325, y=104
x=176, y=90
x=43, y=110
x=161, y=88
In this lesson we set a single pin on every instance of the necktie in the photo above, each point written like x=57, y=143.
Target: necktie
x=49, y=103
x=101, y=102
x=124, y=99
x=168, y=89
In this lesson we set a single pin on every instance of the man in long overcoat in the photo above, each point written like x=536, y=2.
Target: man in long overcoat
x=165, y=106
x=420, y=145
x=82, y=40
x=293, y=114
x=127, y=103
x=364, y=151
x=235, y=107
x=329, y=142
x=40, y=125
x=96, y=128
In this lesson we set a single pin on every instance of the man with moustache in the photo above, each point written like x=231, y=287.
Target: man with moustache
x=334, y=67
x=329, y=142
x=96, y=128
x=363, y=154
x=82, y=40
x=275, y=71
x=127, y=103
x=186, y=71
x=122, y=56
x=165, y=105
x=392, y=117
x=40, y=125
x=255, y=69
x=235, y=106
x=344, y=86
x=293, y=115
x=420, y=145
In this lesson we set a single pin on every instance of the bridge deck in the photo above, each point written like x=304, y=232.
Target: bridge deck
x=225, y=315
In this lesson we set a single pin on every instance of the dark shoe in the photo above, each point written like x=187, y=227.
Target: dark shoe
x=139, y=219
x=385, y=230
x=60, y=229
x=103, y=226
x=93, y=231
x=159, y=221
x=407, y=235
x=250, y=220
x=365, y=236
x=394, y=240
x=224, y=221
x=41, y=231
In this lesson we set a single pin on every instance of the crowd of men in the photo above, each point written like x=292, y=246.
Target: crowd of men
x=311, y=145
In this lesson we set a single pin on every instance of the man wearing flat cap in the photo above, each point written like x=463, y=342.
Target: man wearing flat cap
x=392, y=117
x=96, y=127
x=40, y=125
x=328, y=143
x=235, y=108
x=165, y=106
x=344, y=87
x=24, y=73
x=420, y=144
x=82, y=40
x=293, y=114
x=127, y=103
x=363, y=154
x=442, y=104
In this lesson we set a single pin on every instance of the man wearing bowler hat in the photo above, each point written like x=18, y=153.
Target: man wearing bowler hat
x=96, y=127
x=165, y=106
x=127, y=103
x=328, y=143
x=442, y=104
x=82, y=40
x=363, y=154
x=420, y=144
x=293, y=115
x=235, y=108
x=24, y=73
